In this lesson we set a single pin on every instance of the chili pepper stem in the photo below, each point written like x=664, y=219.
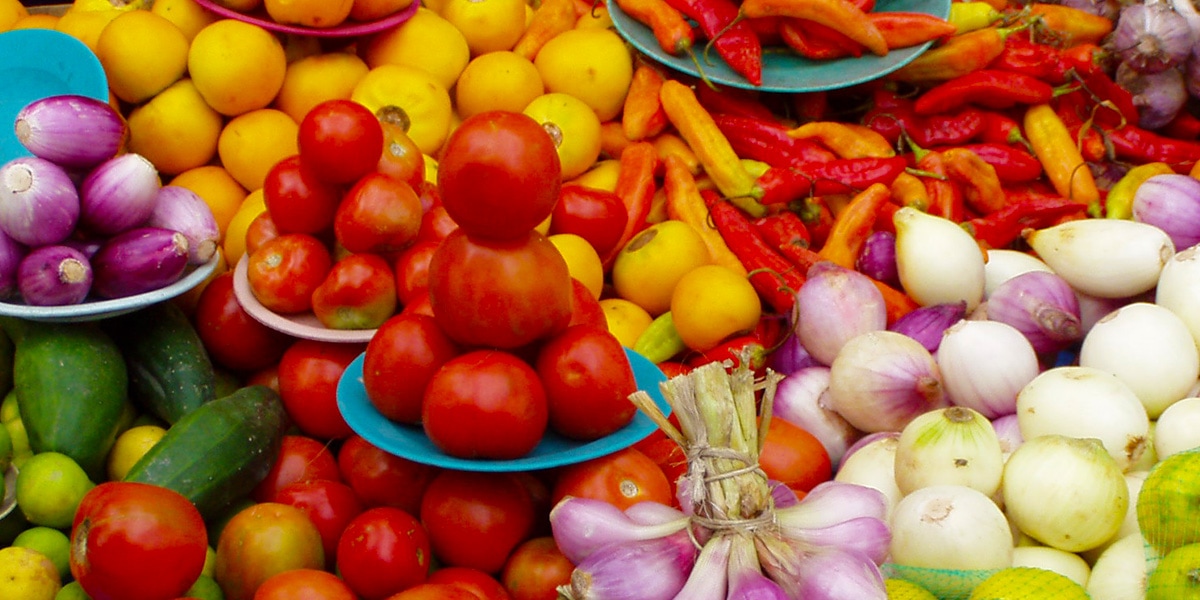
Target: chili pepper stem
x=924, y=173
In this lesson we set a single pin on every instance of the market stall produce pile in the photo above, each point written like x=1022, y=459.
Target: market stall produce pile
x=929, y=335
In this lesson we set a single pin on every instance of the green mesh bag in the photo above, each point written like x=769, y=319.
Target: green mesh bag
x=1168, y=514
x=945, y=584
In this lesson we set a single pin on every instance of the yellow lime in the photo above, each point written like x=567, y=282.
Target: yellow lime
x=626, y=320
x=574, y=127
x=1174, y=577
x=711, y=303
x=594, y=65
x=488, y=25
x=648, y=267
x=1168, y=505
x=217, y=187
x=53, y=543
x=423, y=97
x=11, y=11
x=129, y=448
x=1028, y=583
x=902, y=589
x=85, y=25
x=314, y=79
x=9, y=409
x=175, y=130
x=583, y=263
x=499, y=80
x=238, y=67
x=50, y=486
x=20, y=439
x=27, y=574
x=253, y=142
x=187, y=15
x=234, y=245
x=142, y=53
x=36, y=21
x=427, y=42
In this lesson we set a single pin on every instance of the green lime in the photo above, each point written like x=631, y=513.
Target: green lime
x=1177, y=575
x=17, y=436
x=49, y=541
x=27, y=575
x=1028, y=583
x=8, y=407
x=50, y=486
x=205, y=588
x=72, y=591
x=902, y=589
x=1168, y=505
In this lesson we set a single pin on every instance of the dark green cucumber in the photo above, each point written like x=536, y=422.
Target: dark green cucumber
x=219, y=451
x=170, y=372
x=71, y=389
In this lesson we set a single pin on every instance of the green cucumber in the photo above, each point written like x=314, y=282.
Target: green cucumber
x=218, y=452
x=170, y=372
x=71, y=389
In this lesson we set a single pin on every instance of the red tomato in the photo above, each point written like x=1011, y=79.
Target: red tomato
x=382, y=479
x=136, y=541
x=297, y=200
x=475, y=519
x=499, y=294
x=263, y=540
x=340, y=140
x=383, y=551
x=794, y=457
x=434, y=591
x=308, y=377
x=261, y=229
x=402, y=159
x=233, y=338
x=479, y=583
x=585, y=308
x=485, y=404
x=300, y=458
x=535, y=570
x=436, y=224
x=268, y=377
x=379, y=214
x=412, y=269
x=358, y=292
x=499, y=175
x=667, y=455
x=588, y=381
x=304, y=584
x=285, y=270
x=622, y=479
x=400, y=360
x=329, y=504
x=420, y=304
x=596, y=215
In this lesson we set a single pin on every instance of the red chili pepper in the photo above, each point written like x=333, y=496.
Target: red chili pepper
x=1185, y=126
x=902, y=29
x=732, y=350
x=784, y=228
x=841, y=176
x=1004, y=226
x=945, y=195
x=1000, y=128
x=977, y=178
x=775, y=279
x=636, y=187
x=989, y=88
x=725, y=100
x=768, y=141
x=1087, y=63
x=1132, y=143
x=815, y=41
x=1013, y=164
x=673, y=33
x=1023, y=55
x=817, y=217
x=733, y=38
x=893, y=116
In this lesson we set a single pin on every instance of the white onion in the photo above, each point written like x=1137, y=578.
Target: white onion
x=1085, y=402
x=1093, y=308
x=1008, y=431
x=1067, y=564
x=832, y=306
x=1110, y=258
x=984, y=364
x=1179, y=288
x=954, y=445
x=938, y=261
x=881, y=380
x=873, y=464
x=1149, y=348
x=1121, y=571
x=1178, y=428
x=1004, y=264
x=1067, y=493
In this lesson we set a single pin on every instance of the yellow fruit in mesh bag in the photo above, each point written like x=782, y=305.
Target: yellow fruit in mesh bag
x=314, y=79
x=237, y=67
x=251, y=143
x=427, y=41
x=902, y=589
x=1028, y=583
x=176, y=130
x=1168, y=505
x=1174, y=576
x=142, y=53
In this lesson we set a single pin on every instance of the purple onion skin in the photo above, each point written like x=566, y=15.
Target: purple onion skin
x=11, y=254
x=1170, y=202
x=39, y=204
x=878, y=258
x=1151, y=37
x=183, y=210
x=791, y=356
x=1042, y=306
x=54, y=275
x=77, y=132
x=1159, y=97
x=118, y=195
x=139, y=260
x=926, y=324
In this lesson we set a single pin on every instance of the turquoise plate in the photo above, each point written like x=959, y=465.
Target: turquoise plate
x=784, y=70
x=409, y=441
x=39, y=63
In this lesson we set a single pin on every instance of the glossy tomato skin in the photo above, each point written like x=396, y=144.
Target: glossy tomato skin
x=434, y=591
x=232, y=337
x=499, y=294
x=285, y=270
x=308, y=378
x=358, y=292
x=420, y=304
x=596, y=215
x=402, y=158
x=585, y=308
x=382, y=479
x=262, y=540
x=485, y=404
x=297, y=200
x=261, y=229
x=329, y=504
x=304, y=584
x=300, y=458
x=536, y=569
x=436, y=224
x=588, y=381
x=383, y=551
x=136, y=541
x=483, y=585
x=411, y=269
x=379, y=214
x=622, y=479
x=794, y=457
x=499, y=174
x=340, y=140
x=400, y=360
x=476, y=519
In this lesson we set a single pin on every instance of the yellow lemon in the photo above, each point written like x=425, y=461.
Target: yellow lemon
x=427, y=41
x=36, y=21
x=1028, y=583
x=234, y=245
x=309, y=13
x=594, y=65
x=188, y=16
x=85, y=25
x=583, y=263
x=52, y=543
x=500, y=80
x=648, y=267
x=626, y=320
x=488, y=25
x=903, y=589
x=130, y=446
x=574, y=127
x=423, y=98
x=314, y=79
x=251, y=143
x=238, y=67
x=26, y=574
x=50, y=486
x=142, y=53
x=11, y=11
x=217, y=187
x=176, y=130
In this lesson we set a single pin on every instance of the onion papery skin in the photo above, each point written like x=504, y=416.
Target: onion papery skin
x=54, y=275
x=873, y=465
x=654, y=569
x=1149, y=348
x=927, y=324
x=1008, y=431
x=984, y=365
x=1159, y=97
x=1151, y=37
x=802, y=399
x=139, y=260
x=950, y=446
x=937, y=260
x=1108, y=258
x=1085, y=402
x=74, y=131
x=1004, y=264
x=581, y=526
x=878, y=258
x=1041, y=306
x=118, y=195
x=11, y=254
x=1170, y=202
x=1065, y=492
x=834, y=305
x=180, y=209
x=39, y=204
x=881, y=380
x=1178, y=288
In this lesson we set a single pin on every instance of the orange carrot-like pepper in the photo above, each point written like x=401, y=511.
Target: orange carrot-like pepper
x=847, y=140
x=636, y=187
x=669, y=144
x=671, y=29
x=1069, y=25
x=612, y=139
x=956, y=56
x=908, y=190
x=643, y=116
x=852, y=226
x=684, y=203
x=551, y=18
x=981, y=186
x=1060, y=157
x=842, y=15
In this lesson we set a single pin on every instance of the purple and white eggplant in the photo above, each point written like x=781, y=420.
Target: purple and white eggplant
x=139, y=260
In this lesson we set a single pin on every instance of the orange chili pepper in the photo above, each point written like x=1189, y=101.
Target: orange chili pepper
x=612, y=139
x=908, y=190
x=684, y=203
x=847, y=140
x=852, y=226
x=551, y=18
x=1060, y=157
x=669, y=144
x=956, y=56
x=981, y=186
x=643, y=116
x=696, y=126
x=636, y=187
x=671, y=29
x=841, y=15
x=1070, y=26
x=896, y=302
x=945, y=195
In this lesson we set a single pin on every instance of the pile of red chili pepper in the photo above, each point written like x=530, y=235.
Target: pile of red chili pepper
x=1011, y=122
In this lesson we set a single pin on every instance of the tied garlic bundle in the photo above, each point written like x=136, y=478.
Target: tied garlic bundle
x=739, y=536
